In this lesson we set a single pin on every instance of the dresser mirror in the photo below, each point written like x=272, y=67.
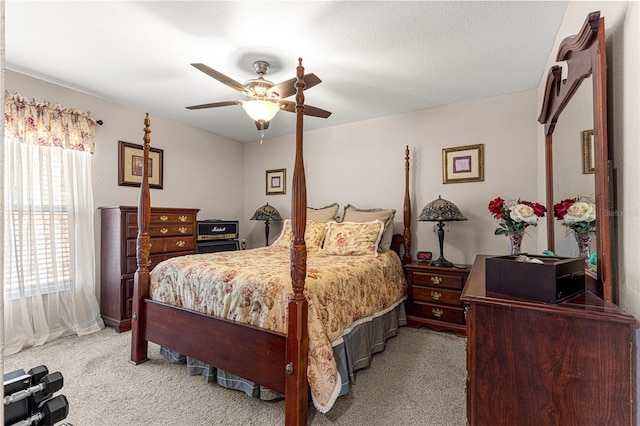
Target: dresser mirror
x=571, y=179
x=564, y=117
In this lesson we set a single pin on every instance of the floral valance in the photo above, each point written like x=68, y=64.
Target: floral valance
x=46, y=124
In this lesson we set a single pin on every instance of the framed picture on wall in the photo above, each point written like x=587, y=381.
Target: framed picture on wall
x=588, y=152
x=130, y=161
x=463, y=164
x=276, y=181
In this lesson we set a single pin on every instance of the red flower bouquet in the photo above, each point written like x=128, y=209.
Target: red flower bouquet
x=514, y=216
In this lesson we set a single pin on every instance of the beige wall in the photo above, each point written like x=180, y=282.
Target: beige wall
x=624, y=125
x=623, y=76
x=201, y=170
x=363, y=164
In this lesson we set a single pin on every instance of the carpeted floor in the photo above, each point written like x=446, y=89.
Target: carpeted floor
x=418, y=380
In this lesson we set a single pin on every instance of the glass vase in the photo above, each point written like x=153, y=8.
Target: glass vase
x=584, y=247
x=515, y=239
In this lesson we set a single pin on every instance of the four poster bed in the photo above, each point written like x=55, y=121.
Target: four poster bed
x=279, y=310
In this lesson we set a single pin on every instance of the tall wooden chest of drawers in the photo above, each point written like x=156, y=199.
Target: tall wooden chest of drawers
x=434, y=297
x=172, y=232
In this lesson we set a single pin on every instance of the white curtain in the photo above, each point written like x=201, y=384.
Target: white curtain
x=49, y=262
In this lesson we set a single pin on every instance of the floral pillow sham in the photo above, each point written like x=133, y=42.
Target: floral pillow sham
x=354, y=214
x=352, y=238
x=313, y=235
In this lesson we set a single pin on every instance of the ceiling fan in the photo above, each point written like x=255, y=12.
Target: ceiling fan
x=265, y=97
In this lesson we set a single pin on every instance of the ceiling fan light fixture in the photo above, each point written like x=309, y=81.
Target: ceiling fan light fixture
x=259, y=109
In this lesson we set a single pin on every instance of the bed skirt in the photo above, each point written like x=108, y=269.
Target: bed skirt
x=352, y=352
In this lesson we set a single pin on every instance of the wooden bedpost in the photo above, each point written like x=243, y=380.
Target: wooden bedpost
x=143, y=246
x=296, y=385
x=406, y=258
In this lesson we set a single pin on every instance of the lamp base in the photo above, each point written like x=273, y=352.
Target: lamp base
x=442, y=262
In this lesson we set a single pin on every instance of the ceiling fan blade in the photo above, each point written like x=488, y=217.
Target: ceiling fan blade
x=287, y=88
x=220, y=77
x=316, y=112
x=215, y=104
x=308, y=109
x=262, y=125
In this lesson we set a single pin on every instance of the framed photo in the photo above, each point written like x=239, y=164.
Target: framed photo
x=588, y=152
x=276, y=181
x=130, y=159
x=463, y=164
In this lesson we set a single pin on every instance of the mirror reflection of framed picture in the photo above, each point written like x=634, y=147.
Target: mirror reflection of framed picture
x=276, y=181
x=588, y=152
x=130, y=159
x=463, y=164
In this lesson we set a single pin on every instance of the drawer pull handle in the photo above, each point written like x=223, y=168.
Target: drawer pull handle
x=182, y=230
x=164, y=218
x=182, y=218
x=164, y=231
x=435, y=295
x=437, y=312
x=436, y=280
x=180, y=243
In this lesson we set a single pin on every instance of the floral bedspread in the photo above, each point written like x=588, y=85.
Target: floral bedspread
x=253, y=286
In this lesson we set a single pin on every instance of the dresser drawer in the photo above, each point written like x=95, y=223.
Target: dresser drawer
x=181, y=217
x=436, y=295
x=439, y=312
x=163, y=245
x=157, y=246
x=437, y=279
x=164, y=230
x=132, y=264
x=163, y=217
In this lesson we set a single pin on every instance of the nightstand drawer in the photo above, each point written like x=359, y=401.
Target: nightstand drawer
x=436, y=295
x=437, y=279
x=439, y=312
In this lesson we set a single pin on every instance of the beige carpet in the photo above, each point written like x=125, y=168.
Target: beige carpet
x=418, y=380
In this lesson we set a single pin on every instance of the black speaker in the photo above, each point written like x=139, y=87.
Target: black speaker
x=216, y=246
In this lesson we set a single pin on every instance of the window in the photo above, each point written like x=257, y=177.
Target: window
x=38, y=234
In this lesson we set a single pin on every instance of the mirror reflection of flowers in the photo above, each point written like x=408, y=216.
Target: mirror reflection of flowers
x=577, y=214
x=514, y=216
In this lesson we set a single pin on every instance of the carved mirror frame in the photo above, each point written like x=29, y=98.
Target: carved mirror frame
x=584, y=54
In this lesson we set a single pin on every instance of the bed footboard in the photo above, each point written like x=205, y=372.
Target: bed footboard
x=226, y=344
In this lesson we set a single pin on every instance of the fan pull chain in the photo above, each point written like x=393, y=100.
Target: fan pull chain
x=261, y=131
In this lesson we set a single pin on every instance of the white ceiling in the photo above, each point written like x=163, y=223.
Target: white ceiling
x=375, y=58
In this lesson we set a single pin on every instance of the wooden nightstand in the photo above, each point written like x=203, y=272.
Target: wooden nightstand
x=434, y=297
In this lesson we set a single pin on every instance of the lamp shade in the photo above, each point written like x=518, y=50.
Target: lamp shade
x=440, y=210
x=260, y=109
x=266, y=212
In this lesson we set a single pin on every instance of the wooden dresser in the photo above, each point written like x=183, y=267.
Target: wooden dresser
x=434, y=297
x=172, y=232
x=570, y=363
